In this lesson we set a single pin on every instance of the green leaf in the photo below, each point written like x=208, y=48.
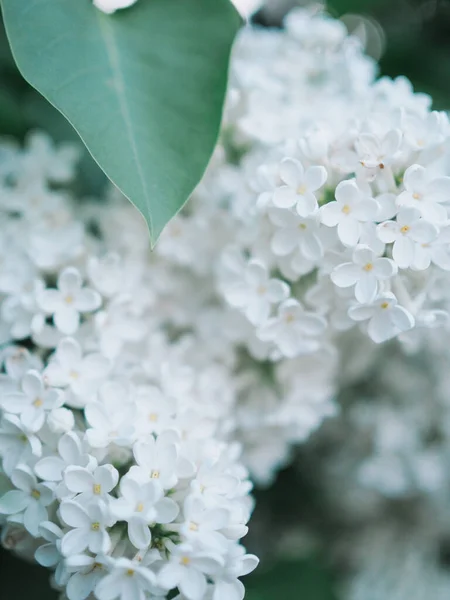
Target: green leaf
x=144, y=87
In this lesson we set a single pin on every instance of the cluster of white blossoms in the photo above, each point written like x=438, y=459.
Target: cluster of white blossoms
x=341, y=195
x=138, y=389
x=323, y=214
x=118, y=465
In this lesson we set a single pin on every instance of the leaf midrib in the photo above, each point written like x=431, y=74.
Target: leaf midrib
x=107, y=33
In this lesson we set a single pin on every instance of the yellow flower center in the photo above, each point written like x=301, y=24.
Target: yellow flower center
x=416, y=196
x=97, y=489
x=368, y=267
x=193, y=526
x=153, y=417
x=38, y=403
x=385, y=305
x=95, y=526
x=130, y=572
x=346, y=209
x=185, y=560
x=405, y=229
x=68, y=299
x=140, y=507
x=36, y=494
x=154, y=475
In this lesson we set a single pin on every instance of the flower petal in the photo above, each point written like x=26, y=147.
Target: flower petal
x=291, y=172
x=47, y=555
x=13, y=502
x=349, y=231
x=87, y=300
x=366, y=289
x=74, y=515
x=315, y=177
x=74, y=542
x=345, y=275
x=67, y=319
x=69, y=280
x=139, y=533
x=284, y=197
x=78, y=480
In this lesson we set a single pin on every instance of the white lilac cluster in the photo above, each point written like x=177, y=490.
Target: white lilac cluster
x=340, y=197
x=324, y=213
x=118, y=466
x=137, y=388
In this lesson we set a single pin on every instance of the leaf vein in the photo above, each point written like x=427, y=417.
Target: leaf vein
x=119, y=85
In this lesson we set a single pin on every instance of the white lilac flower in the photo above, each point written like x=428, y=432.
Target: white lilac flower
x=426, y=193
x=254, y=292
x=85, y=571
x=237, y=564
x=156, y=411
x=423, y=134
x=49, y=554
x=378, y=151
x=91, y=485
x=202, y=526
x=385, y=317
x=351, y=208
x=294, y=330
x=18, y=443
x=127, y=579
x=294, y=232
x=70, y=369
x=89, y=527
x=158, y=459
x=212, y=484
x=408, y=232
x=70, y=452
x=141, y=505
x=187, y=569
x=68, y=301
x=299, y=187
x=33, y=401
x=365, y=272
x=111, y=418
x=29, y=498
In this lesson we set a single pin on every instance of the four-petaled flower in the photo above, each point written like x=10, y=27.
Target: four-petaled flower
x=294, y=330
x=299, y=186
x=89, y=527
x=351, y=208
x=142, y=505
x=364, y=272
x=406, y=233
x=68, y=301
x=30, y=498
x=386, y=318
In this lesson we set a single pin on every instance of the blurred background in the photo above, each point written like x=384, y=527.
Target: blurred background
x=292, y=524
